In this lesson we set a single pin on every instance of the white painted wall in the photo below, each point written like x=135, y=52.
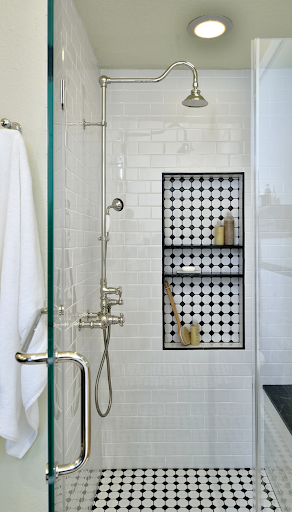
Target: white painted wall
x=23, y=78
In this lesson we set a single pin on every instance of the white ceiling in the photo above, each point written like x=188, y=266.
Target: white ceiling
x=149, y=34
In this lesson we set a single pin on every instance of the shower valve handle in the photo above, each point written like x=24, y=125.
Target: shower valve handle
x=116, y=320
x=115, y=302
x=108, y=290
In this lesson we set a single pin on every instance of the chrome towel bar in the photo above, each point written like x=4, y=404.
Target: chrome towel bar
x=6, y=123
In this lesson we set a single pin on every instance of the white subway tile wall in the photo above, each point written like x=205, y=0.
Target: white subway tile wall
x=172, y=408
x=76, y=220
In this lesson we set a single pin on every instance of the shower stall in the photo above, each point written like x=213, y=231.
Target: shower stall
x=171, y=427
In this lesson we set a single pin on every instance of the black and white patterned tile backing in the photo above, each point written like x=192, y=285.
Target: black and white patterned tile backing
x=183, y=490
x=214, y=294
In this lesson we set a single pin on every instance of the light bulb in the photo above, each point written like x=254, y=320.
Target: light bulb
x=209, y=29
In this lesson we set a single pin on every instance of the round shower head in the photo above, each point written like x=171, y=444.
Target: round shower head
x=195, y=99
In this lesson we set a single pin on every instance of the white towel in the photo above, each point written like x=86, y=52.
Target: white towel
x=21, y=295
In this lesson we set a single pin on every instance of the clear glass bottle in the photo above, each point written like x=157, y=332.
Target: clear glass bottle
x=229, y=229
x=219, y=233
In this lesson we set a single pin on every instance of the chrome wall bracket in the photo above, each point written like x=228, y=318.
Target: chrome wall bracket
x=12, y=125
x=86, y=124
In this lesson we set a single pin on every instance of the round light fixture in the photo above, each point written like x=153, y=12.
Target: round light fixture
x=209, y=26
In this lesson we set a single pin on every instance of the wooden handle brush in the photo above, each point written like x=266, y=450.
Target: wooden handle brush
x=184, y=335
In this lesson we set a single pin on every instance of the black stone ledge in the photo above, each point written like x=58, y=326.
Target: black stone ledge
x=281, y=398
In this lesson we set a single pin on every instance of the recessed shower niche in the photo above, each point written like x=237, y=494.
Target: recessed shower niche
x=211, y=293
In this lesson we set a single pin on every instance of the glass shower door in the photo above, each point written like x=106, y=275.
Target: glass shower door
x=273, y=270
x=63, y=360
x=51, y=456
x=73, y=263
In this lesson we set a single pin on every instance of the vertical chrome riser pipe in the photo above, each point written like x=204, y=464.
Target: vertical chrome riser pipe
x=103, y=281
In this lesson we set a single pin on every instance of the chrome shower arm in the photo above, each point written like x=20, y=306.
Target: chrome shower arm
x=107, y=80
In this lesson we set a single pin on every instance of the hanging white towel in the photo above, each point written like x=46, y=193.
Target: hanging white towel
x=21, y=295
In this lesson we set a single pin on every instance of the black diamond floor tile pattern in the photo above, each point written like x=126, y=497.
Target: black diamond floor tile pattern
x=172, y=490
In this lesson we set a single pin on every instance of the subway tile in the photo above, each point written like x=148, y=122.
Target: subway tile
x=202, y=393
x=187, y=448
x=217, y=395
x=191, y=395
x=163, y=396
x=151, y=436
x=177, y=409
x=151, y=409
x=137, y=109
x=151, y=148
x=204, y=409
x=163, y=161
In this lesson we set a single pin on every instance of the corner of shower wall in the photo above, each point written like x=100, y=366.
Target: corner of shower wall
x=77, y=254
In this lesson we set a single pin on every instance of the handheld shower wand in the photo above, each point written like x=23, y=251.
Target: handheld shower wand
x=118, y=206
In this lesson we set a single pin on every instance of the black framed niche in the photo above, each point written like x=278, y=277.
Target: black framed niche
x=213, y=296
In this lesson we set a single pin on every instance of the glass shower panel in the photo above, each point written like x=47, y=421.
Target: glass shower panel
x=273, y=198
x=183, y=416
x=73, y=181
x=51, y=454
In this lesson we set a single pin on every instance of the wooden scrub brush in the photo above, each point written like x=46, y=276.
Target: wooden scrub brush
x=184, y=334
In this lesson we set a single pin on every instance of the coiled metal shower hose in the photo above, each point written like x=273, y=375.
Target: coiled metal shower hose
x=105, y=356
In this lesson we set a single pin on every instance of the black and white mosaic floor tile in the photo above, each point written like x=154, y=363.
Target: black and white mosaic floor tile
x=183, y=490
x=268, y=498
x=76, y=492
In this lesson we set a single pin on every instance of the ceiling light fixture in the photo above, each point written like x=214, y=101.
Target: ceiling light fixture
x=209, y=26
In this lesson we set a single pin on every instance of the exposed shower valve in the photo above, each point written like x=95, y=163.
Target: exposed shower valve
x=107, y=290
x=116, y=319
x=115, y=302
x=101, y=321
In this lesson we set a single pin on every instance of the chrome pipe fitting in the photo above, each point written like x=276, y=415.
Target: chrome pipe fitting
x=90, y=315
x=92, y=324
